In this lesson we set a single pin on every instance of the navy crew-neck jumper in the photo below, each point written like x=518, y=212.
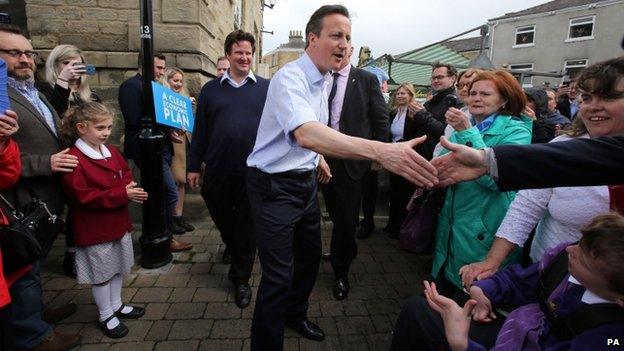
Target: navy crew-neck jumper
x=226, y=124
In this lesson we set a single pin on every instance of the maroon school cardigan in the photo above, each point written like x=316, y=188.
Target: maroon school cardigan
x=97, y=198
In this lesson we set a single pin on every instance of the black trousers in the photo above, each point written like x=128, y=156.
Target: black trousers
x=228, y=204
x=421, y=328
x=401, y=190
x=369, y=198
x=342, y=198
x=287, y=220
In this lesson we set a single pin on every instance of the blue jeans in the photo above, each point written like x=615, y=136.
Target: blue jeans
x=171, y=189
x=26, y=322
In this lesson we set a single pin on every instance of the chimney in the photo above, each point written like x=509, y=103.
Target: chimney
x=294, y=35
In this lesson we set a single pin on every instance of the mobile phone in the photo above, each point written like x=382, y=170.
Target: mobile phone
x=565, y=81
x=5, y=18
x=90, y=69
x=451, y=101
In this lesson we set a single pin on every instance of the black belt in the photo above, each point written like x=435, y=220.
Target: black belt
x=301, y=175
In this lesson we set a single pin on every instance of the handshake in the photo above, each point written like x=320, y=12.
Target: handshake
x=461, y=164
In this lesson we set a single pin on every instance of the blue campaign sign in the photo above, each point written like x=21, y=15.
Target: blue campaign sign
x=172, y=109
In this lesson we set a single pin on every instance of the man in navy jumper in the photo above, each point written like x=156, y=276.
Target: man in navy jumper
x=228, y=114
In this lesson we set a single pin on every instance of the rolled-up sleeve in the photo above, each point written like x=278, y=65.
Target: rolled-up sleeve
x=291, y=104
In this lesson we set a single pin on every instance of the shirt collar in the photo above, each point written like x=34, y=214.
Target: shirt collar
x=90, y=153
x=312, y=73
x=485, y=124
x=588, y=297
x=344, y=72
x=226, y=76
x=21, y=84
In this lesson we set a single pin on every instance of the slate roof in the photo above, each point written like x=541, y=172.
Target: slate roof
x=547, y=7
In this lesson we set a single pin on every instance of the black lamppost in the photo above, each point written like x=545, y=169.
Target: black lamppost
x=155, y=236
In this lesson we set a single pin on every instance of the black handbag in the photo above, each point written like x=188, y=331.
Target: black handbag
x=30, y=233
x=419, y=227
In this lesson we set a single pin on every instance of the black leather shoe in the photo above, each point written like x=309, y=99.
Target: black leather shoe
x=242, y=295
x=326, y=256
x=227, y=257
x=365, y=231
x=118, y=332
x=176, y=228
x=180, y=221
x=137, y=312
x=341, y=288
x=307, y=329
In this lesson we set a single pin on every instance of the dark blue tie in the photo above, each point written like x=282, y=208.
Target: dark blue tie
x=332, y=94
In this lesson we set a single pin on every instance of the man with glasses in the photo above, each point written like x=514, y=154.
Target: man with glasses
x=42, y=159
x=429, y=118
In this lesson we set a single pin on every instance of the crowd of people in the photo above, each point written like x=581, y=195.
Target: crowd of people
x=262, y=150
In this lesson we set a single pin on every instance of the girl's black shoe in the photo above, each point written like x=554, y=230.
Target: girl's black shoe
x=118, y=332
x=137, y=312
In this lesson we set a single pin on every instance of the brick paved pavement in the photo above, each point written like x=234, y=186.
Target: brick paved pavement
x=190, y=304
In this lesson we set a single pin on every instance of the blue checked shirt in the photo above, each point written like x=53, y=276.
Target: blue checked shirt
x=28, y=90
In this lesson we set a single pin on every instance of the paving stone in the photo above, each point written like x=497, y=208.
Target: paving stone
x=133, y=346
x=395, y=267
x=200, y=268
x=382, y=323
x=376, y=307
x=190, y=329
x=49, y=295
x=159, y=330
x=185, y=310
x=152, y=295
x=314, y=309
x=221, y=345
x=353, y=343
x=180, y=268
x=84, y=314
x=172, y=280
x=369, y=279
x=354, y=325
x=331, y=343
x=144, y=281
x=355, y=308
x=128, y=293
x=211, y=295
x=177, y=345
x=219, y=268
x=94, y=347
x=201, y=257
x=182, y=295
x=155, y=311
x=331, y=308
x=70, y=328
x=362, y=293
x=328, y=324
x=385, y=291
x=91, y=333
x=217, y=310
x=379, y=341
x=63, y=297
x=223, y=329
x=59, y=283
x=204, y=281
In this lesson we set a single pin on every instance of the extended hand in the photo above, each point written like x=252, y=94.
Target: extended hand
x=477, y=271
x=401, y=159
x=323, y=172
x=463, y=163
x=63, y=162
x=413, y=108
x=176, y=136
x=456, y=319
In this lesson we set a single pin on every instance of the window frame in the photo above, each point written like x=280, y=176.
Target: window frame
x=565, y=65
x=530, y=83
x=593, y=23
x=534, y=31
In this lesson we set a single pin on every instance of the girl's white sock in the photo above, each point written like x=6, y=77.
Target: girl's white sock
x=101, y=295
x=116, y=284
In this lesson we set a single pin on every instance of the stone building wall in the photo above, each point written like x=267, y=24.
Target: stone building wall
x=189, y=32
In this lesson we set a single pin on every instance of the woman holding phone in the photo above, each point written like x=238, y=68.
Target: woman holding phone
x=66, y=79
x=66, y=86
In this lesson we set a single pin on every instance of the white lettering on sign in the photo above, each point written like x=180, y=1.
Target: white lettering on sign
x=174, y=109
x=613, y=342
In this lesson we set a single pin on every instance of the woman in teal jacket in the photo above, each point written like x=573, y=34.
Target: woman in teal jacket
x=473, y=210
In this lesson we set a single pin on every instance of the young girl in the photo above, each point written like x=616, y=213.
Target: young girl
x=98, y=191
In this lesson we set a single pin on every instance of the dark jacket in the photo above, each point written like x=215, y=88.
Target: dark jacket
x=578, y=162
x=556, y=118
x=132, y=108
x=542, y=131
x=364, y=114
x=431, y=121
x=37, y=143
x=59, y=96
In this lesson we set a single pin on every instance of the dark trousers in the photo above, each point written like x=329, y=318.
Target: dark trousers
x=286, y=216
x=421, y=328
x=401, y=190
x=5, y=330
x=228, y=204
x=369, y=198
x=342, y=199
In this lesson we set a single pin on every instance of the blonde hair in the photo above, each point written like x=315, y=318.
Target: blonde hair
x=59, y=54
x=410, y=89
x=169, y=73
x=85, y=113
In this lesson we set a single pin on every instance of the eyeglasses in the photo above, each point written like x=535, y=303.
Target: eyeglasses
x=438, y=77
x=460, y=86
x=18, y=53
